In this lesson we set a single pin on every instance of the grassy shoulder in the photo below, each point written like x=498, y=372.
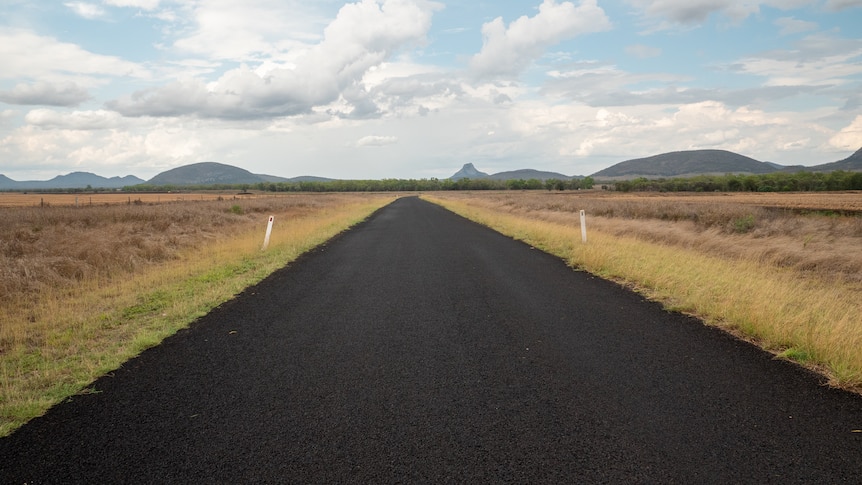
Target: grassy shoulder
x=812, y=320
x=54, y=347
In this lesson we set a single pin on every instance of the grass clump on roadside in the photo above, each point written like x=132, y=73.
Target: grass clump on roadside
x=58, y=334
x=807, y=317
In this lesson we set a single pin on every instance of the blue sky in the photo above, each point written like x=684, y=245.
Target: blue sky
x=415, y=89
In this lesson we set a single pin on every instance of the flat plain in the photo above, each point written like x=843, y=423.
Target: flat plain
x=824, y=201
x=78, y=278
x=420, y=347
x=33, y=199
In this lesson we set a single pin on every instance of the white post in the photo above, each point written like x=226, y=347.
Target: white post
x=268, y=232
x=583, y=227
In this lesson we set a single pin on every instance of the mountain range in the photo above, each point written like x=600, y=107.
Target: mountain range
x=74, y=180
x=673, y=164
x=468, y=171
x=204, y=173
x=210, y=173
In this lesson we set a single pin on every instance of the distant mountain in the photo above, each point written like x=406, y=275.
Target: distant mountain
x=309, y=178
x=527, y=174
x=206, y=173
x=74, y=180
x=209, y=173
x=7, y=183
x=468, y=171
x=853, y=163
x=686, y=163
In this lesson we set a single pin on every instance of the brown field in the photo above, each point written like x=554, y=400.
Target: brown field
x=58, y=244
x=836, y=201
x=817, y=233
x=25, y=199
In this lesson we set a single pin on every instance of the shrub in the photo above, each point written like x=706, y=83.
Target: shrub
x=744, y=224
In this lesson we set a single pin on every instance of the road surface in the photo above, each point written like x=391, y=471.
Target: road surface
x=420, y=347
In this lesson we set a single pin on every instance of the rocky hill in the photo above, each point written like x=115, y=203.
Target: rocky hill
x=468, y=171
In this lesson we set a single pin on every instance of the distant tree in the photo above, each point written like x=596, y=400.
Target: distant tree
x=557, y=184
x=533, y=184
x=516, y=184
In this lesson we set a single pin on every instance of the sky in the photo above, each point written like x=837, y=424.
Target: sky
x=377, y=89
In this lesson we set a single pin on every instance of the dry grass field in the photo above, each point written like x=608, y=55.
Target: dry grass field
x=781, y=270
x=815, y=201
x=820, y=234
x=61, y=245
x=30, y=199
x=82, y=289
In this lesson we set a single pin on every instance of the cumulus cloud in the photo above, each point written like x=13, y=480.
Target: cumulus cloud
x=362, y=35
x=506, y=51
x=57, y=141
x=87, y=10
x=48, y=94
x=76, y=120
x=408, y=90
x=697, y=11
x=376, y=141
x=24, y=54
x=850, y=137
x=225, y=29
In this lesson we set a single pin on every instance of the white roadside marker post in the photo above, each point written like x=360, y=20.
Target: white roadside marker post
x=268, y=233
x=583, y=227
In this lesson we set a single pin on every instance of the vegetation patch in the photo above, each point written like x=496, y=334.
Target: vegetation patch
x=744, y=224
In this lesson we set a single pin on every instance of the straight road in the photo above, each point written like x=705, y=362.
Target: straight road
x=422, y=348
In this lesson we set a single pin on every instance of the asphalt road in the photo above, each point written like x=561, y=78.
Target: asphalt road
x=422, y=348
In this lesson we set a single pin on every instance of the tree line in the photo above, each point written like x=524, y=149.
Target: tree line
x=384, y=185
x=771, y=182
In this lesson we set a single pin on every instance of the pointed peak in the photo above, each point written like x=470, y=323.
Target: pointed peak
x=468, y=171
